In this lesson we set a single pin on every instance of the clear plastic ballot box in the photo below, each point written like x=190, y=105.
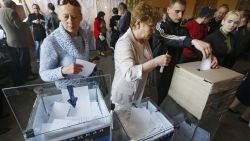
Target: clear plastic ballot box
x=142, y=122
x=77, y=112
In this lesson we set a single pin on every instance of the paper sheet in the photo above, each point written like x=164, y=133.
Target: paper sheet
x=59, y=111
x=205, y=63
x=1, y=34
x=88, y=67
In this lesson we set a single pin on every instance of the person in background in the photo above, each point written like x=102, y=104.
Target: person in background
x=62, y=47
x=39, y=33
x=171, y=38
x=242, y=36
x=15, y=31
x=113, y=24
x=133, y=58
x=223, y=41
x=242, y=97
x=125, y=19
x=51, y=20
x=215, y=22
x=100, y=33
x=197, y=29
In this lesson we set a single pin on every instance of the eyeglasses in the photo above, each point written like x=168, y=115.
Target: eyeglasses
x=72, y=2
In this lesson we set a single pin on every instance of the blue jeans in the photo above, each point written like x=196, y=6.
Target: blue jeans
x=37, y=49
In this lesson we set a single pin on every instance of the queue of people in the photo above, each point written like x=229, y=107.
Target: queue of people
x=216, y=33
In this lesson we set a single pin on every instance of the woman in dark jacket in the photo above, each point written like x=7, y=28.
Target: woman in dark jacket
x=223, y=42
x=37, y=21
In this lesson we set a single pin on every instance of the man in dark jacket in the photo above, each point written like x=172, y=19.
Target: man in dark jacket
x=125, y=19
x=215, y=22
x=171, y=38
x=113, y=24
x=15, y=31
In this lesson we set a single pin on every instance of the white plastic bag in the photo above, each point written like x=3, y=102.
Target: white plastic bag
x=102, y=38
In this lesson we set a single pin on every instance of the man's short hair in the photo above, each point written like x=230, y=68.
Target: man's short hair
x=172, y=2
x=206, y=12
x=122, y=5
x=9, y=3
x=115, y=10
x=224, y=6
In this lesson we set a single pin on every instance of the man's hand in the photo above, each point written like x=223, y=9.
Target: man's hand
x=202, y=46
x=72, y=69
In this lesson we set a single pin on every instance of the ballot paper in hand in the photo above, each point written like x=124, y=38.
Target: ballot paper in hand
x=88, y=67
x=205, y=63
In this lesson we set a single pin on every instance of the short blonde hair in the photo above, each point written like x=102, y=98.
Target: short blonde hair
x=233, y=12
x=145, y=13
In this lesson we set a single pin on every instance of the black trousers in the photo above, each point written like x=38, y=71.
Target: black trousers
x=164, y=80
x=21, y=60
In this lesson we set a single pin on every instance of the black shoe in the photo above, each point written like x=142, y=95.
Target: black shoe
x=233, y=111
x=4, y=130
x=243, y=120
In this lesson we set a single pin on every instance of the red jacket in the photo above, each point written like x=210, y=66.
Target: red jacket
x=196, y=31
x=97, y=24
x=99, y=27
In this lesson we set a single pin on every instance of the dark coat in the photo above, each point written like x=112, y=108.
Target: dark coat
x=242, y=37
x=124, y=23
x=220, y=49
x=242, y=93
x=214, y=25
x=171, y=37
x=38, y=30
x=114, y=32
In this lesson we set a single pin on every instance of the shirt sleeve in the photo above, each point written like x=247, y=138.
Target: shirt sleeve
x=49, y=63
x=173, y=40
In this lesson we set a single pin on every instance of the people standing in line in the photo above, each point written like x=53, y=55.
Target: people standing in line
x=125, y=19
x=133, y=58
x=62, y=47
x=36, y=19
x=171, y=38
x=51, y=20
x=113, y=24
x=215, y=22
x=198, y=29
x=223, y=41
x=15, y=31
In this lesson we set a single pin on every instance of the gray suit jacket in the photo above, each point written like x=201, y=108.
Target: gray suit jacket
x=13, y=26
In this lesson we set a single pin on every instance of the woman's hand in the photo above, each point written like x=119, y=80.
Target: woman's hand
x=162, y=60
x=72, y=69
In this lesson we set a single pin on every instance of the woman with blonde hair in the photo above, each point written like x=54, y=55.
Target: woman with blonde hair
x=133, y=57
x=223, y=41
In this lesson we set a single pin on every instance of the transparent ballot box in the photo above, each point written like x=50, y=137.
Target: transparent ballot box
x=76, y=112
x=143, y=122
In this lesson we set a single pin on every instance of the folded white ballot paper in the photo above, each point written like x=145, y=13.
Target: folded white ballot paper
x=88, y=67
x=205, y=63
